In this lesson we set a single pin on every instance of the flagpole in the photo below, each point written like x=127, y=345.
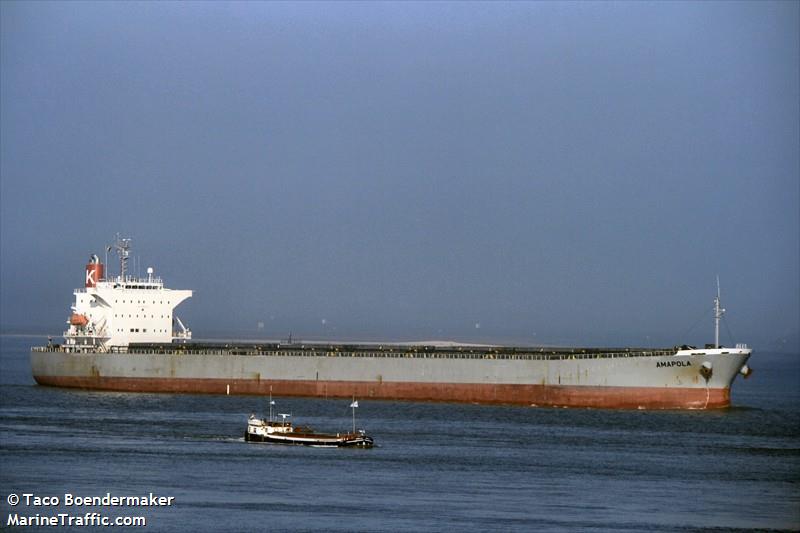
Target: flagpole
x=271, y=403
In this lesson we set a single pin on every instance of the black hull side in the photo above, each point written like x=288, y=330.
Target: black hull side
x=357, y=442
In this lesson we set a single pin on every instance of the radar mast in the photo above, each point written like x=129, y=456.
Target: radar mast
x=122, y=246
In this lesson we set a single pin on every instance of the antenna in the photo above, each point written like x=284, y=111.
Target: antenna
x=122, y=246
x=718, y=312
x=108, y=249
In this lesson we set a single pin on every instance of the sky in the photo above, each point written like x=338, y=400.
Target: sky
x=529, y=173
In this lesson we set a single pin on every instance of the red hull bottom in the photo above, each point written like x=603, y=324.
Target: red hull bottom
x=533, y=395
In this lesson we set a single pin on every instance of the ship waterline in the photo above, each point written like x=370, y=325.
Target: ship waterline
x=533, y=395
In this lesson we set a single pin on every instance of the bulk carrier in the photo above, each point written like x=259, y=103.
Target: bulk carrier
x=123, y=336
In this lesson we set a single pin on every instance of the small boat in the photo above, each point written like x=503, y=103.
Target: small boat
x=284, y=432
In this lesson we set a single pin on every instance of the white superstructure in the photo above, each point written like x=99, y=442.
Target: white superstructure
x=114, y=312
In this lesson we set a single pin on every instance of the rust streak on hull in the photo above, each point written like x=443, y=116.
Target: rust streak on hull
x=519, y=394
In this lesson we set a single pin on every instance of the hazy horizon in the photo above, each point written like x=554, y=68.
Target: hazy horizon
x=539, y=173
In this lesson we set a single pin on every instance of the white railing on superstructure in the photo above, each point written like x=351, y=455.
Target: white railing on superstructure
x=130, y=280
x=130, y=283
x=134, y=279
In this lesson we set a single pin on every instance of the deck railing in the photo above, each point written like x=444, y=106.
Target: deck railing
x=393, y=353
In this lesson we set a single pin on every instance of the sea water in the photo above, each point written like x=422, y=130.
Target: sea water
x=435, y=467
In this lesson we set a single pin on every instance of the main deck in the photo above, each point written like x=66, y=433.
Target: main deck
x=411, y=351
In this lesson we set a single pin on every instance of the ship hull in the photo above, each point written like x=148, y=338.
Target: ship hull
x=532, y=395
x=648, y=382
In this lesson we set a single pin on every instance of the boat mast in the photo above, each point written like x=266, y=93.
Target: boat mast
x=123, y=250
x=353, y=407
x=271, y=403
x=718, y=312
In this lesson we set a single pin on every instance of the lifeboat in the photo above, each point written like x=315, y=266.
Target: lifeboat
x=78, y=320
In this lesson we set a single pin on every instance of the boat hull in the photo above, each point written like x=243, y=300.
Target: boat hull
x=316, y=441
x=668, y=382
